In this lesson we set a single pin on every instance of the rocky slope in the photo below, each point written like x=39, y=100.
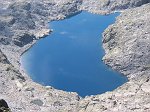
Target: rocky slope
x=108, y=6
x=126, y=42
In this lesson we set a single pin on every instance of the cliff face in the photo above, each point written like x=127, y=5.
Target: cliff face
x=126, y=42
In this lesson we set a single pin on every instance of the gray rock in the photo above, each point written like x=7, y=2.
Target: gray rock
x=126, y=43
x=37, y=102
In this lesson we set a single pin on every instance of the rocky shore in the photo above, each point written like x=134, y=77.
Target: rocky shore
x=126, y=43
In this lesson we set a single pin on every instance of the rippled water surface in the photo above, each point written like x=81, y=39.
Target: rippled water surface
x=70, y=58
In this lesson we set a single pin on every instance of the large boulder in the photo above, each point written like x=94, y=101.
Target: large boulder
x=4, y=106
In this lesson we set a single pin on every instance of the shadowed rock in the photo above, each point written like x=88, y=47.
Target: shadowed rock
x=4, y=106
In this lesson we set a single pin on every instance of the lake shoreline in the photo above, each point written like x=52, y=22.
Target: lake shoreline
x=23, y=86
x=83, y=41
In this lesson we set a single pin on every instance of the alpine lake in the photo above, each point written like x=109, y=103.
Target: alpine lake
x=70, y=58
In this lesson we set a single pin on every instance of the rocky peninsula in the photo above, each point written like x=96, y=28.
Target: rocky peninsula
x=126, y=44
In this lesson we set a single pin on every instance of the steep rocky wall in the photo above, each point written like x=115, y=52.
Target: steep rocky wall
x=127, y=42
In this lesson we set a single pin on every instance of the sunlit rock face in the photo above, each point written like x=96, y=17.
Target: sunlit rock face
x=107, y=6
x=24, y=95
x=127, y=48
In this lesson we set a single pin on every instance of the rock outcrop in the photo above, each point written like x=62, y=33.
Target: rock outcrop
x=4, y=106
x=109, y=6
x=126, y=42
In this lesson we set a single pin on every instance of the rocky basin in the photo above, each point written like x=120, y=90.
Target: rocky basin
x=126, y=44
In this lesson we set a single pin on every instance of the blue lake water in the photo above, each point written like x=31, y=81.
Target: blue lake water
x=70, y=58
